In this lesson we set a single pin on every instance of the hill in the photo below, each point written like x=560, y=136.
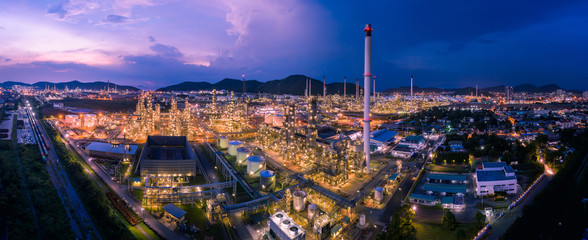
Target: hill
x=293, y=84
x=529, y=88
x=70, y=85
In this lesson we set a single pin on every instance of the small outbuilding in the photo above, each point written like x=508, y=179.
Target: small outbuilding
x=174, y=213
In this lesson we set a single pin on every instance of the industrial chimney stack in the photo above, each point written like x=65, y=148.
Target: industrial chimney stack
x=366, y=95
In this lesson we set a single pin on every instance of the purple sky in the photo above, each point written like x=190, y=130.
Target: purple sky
x=154, y=43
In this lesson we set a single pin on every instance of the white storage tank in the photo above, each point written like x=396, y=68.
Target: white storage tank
x=224, y=142
x=278, y=120
x=357, y=146
x=233, y=145
x=379, y=194
x=267, y=180
x=255, y=164
x=312, y=209
x=299, y=200
x=242, y=154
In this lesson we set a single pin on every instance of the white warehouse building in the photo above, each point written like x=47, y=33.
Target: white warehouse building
x=495, y=177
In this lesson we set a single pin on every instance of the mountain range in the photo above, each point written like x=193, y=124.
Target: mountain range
x=528, y=88
x=70, y=85
x=293, y=84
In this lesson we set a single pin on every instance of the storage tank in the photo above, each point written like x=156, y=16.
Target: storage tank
x=293, y=230
x=233, y=145
x=255, y=164
x=312, y=208
x=379, y=194
x=299, y=200
x=357, y=146
x=267, y=180
x=224, y=142
x=278, y=120
x=242, y=154
x=362, y=220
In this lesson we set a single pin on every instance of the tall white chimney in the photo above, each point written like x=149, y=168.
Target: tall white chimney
x=324, y=87
x=356, y=88
x=374, y=93
x=306, y=88
x=344, y=87
x=366, y=95
x=411, y=89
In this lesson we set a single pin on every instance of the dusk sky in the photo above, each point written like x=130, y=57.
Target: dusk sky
x=155, y=43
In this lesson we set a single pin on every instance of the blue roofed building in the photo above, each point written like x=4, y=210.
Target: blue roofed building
x=445, y=189
x=495, y=177
x=423, y=199
x=174, y=213
x=436, y=177
x=382, y=137
x=111, y=151
x=414, y=141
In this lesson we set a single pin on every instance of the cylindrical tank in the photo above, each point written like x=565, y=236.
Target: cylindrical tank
x=278, y=120
x=357, y=146
x=242, y=154
x=233, y=145
x=267, y=180
x=255, y=164
x=312, y=208
x=299, y=200
x=362, y=220
x=286, y=223
x=224, y=142
x=379, y=194
x=293, y=230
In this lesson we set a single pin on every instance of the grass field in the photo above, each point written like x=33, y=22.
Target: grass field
x=195, y=216
x=447, y=168
x=432, y=231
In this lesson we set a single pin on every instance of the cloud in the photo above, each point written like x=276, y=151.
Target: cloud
x=166, y=51
x=151, y=39
x=118, y=19
x=69, y=10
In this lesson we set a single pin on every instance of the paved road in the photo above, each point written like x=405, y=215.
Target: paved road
x=500, y=226
x=151, y=221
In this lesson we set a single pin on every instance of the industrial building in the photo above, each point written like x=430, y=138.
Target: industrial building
x=494, y=177
x=111, y=151
x=285, y=228
x=167, y=156
x=414, y=142
x=382, y=137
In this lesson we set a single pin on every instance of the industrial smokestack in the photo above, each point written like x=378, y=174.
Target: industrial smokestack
x=374, y=87
x=324, y=87
x=244, y=88
x=306, y=88
x=356, y=88
x=411, y=89
x=366, y=97
x=476, y=90
x=344, y=87
x=310, y=87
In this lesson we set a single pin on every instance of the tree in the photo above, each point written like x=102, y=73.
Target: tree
x=449, y=222
x=401, y=225
x=479, y=220
x=460, y=234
